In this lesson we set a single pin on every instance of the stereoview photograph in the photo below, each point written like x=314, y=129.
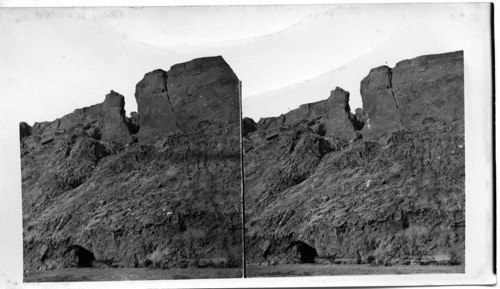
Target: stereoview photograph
x=157, y=190
x=377, y=190
x=270, y=143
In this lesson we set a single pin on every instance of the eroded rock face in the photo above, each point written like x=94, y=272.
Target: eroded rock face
x=204, y=91
x=331, y=117
x=414, y=93
x=339, y=119
x=190, y=95
x=135, y=122
x=105, y=121
x=382, y=112
x=393, y=194
x=96, y=194
x=430, y=88
x=153, y=103
x=24, y=130
x=248, y=125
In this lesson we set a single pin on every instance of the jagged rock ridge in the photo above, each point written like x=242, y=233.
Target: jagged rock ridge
x=330, y=117
x=105, y=121
x=382, y=185
x=154, y=190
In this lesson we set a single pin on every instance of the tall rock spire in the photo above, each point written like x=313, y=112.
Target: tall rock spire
x=415, y=92
x=190, y=95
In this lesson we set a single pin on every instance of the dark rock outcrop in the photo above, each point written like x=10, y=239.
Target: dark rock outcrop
x=24, y=130
x=95, y=194
x=153, y=103
x=134, y=122
x=339, y=119
x=415, y=92
x=393, y=193
x=359, y=118
x=190, y=95
x=379, y=103
x=433, y=82
x=331, y=117
x=105, y=121
x=248, y=125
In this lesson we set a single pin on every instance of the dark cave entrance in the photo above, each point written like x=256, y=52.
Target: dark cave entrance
x=81, y=256
x=305, y=252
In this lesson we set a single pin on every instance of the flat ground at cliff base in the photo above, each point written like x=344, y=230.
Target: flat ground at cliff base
x=122, y=274
x=285, y=270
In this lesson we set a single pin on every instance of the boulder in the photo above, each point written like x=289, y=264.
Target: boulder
x=271, y=122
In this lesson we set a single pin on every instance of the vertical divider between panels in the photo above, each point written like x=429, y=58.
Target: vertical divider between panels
x=243, y=259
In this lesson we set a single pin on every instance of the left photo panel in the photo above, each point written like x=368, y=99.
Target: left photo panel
x=114, y=194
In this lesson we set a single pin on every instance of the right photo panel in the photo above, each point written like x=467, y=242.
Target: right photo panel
x=355, y=164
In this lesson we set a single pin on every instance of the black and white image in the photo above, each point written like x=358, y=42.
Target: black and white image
x=377, y=191
x=266, y=145
x=152, y=195
x=361, y=169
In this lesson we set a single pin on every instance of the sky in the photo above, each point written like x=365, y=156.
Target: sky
x=413, y=30
x=60, y=59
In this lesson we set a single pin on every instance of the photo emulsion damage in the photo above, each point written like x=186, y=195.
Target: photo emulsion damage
x=152, y=196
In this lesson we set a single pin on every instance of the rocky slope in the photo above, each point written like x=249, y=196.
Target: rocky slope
x=158, y=189
x=382, y=185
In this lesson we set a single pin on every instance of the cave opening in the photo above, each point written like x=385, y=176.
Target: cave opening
x=305, y=252
x=82, y=256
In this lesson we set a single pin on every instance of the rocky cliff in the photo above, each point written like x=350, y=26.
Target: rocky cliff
x=184, y=99
x=161, y=188
x=382, y=185
x=158, y=189
x=415, y=92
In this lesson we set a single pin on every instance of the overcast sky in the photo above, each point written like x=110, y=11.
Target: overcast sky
x=58, y=60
